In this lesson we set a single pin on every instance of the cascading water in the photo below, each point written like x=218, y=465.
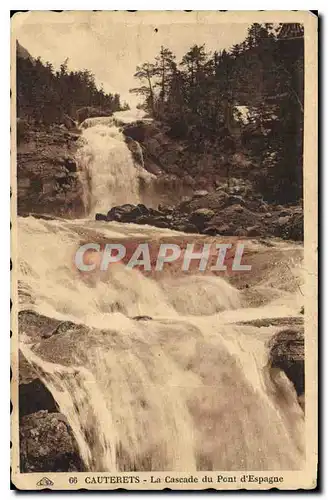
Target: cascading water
x=108, y=171
x=184, y=391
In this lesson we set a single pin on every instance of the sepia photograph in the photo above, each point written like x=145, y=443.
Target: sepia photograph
x=164, y=250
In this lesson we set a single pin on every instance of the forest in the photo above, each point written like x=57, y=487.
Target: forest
x=202, y=96
x=45, y=95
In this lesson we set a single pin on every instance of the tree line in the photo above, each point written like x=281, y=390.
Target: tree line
x=199, y=98
x=45, y=95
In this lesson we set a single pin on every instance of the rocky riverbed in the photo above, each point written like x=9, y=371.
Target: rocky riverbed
x=224, y=212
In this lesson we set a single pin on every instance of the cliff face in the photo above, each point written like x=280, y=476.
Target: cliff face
x=165, y=154
x=47, y=178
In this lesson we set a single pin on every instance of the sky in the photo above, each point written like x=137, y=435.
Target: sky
x=112, y=44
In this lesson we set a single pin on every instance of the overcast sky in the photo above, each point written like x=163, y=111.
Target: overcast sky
x=112, y=44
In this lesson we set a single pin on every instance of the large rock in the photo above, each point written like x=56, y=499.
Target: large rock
x=201, y=216
x=286, y=351
x=290, y=225
x=47, y=444
x=186, y=227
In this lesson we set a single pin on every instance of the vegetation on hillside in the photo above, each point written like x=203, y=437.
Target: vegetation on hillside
x=199, y=98
x=45, y=95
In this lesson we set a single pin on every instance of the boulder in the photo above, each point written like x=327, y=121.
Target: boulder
x=240, y=232
x=33, y=395
x=102, y=217
x=117, y=213
x=286, y=351
x=138, y=131
x=142, y=318
x=201, y=216
x=47, y=444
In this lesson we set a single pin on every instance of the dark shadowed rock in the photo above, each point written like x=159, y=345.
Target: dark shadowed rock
x=200, y=193
x=47, y=444
x=36, y=326
x=186, y=227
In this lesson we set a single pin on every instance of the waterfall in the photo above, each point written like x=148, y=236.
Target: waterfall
x=186, y=390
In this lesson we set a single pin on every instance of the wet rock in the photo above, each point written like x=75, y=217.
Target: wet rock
x=138, y=131
x=36, y=326
x=201, y=216
x=22, y=129
x=151, y=220
x=47, y=444
x=69, y=122
x=143, y=209
x=142, y=318
x=117, y=213
x=286, y=351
